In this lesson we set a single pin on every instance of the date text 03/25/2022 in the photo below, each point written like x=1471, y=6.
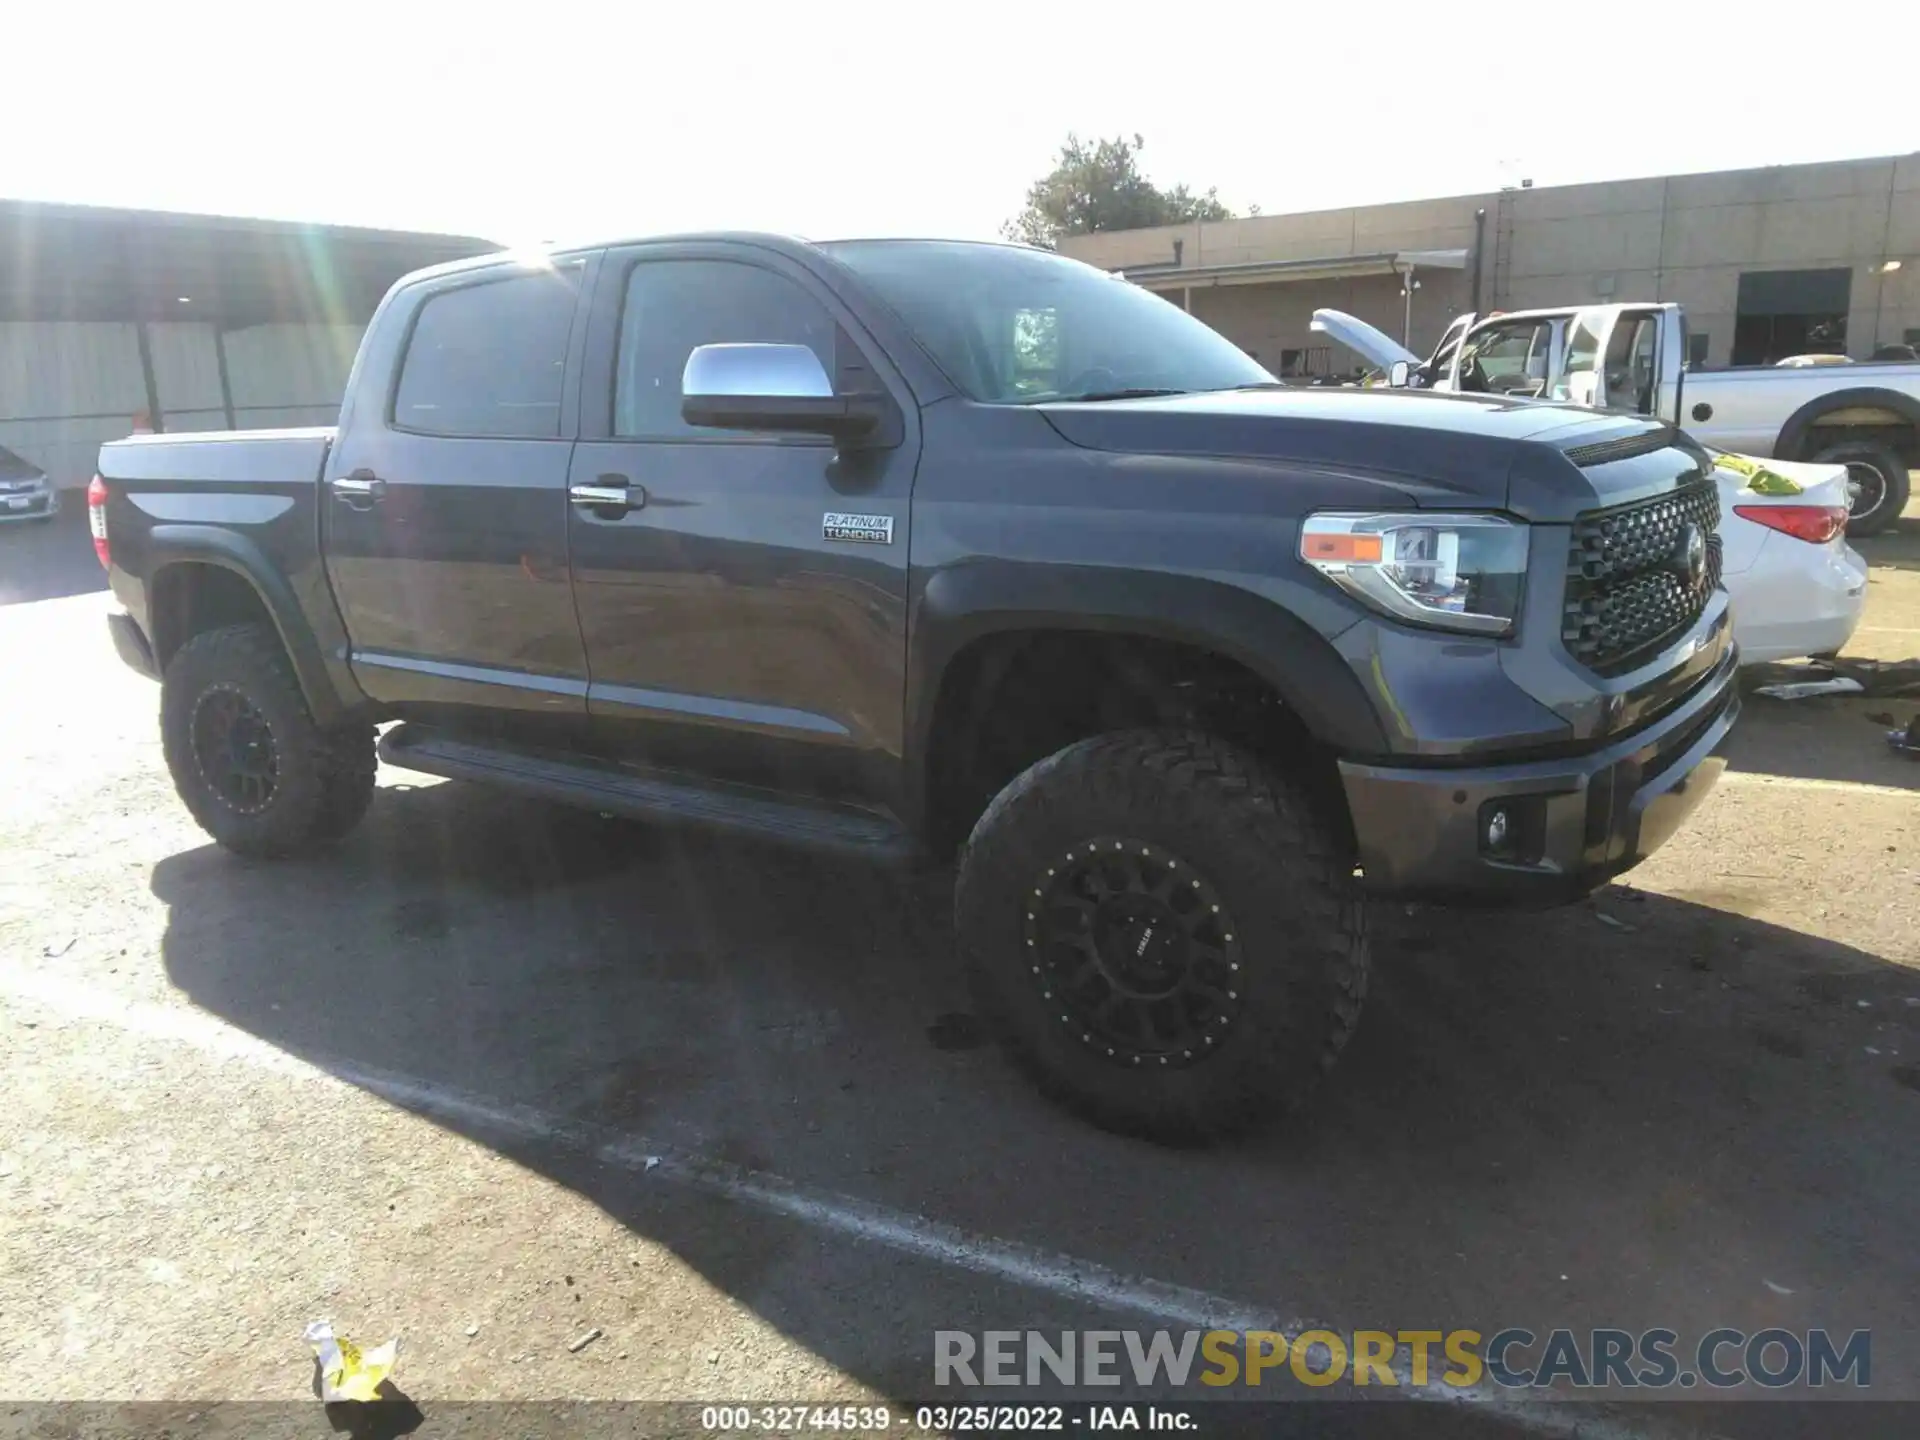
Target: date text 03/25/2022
x=943, y=1419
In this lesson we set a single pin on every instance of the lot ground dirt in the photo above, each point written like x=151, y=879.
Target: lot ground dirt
x=413, y=1086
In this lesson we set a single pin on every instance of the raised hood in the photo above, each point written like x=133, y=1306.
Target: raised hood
x=1541, y=460
x=1371, y=345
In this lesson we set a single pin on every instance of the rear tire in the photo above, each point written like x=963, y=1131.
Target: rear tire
x=246, y=756
x=1219, y=966
x=1883, y=478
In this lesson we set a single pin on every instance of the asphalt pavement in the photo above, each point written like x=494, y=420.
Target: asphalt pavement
x=491, y=1075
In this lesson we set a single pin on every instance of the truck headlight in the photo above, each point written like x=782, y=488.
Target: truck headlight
x=1453, y=572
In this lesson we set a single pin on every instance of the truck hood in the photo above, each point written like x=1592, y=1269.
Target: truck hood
x=1542, y=460
x=1371, y=345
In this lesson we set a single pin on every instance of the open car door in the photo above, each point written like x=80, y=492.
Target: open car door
x=1624, y=357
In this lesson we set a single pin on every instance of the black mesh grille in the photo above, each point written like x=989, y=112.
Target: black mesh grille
x=1628, y=590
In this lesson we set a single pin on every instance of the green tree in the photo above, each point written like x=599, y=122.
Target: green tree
x=1098, y=186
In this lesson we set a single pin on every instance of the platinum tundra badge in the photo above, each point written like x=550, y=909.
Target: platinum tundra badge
x=867, y=529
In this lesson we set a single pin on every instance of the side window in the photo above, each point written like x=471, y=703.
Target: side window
x=1508, y=359
x=1580, y=375
x=1631, y=360
x=490, y=359
x=673, y=306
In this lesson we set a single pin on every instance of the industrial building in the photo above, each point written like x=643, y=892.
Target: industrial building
x=1781, y=261
x=194, y=322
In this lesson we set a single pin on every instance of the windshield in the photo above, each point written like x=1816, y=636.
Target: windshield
x=12, y=467
x=1014, y=326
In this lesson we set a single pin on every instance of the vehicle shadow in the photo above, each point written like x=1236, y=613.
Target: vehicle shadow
x=49, y=559
x=1681, y=1118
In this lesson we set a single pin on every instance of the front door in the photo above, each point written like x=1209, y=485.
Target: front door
x=445, y=531
x=731, y=629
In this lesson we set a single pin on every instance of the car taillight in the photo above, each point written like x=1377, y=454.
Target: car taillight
x=97, y=519
x=1816, y=524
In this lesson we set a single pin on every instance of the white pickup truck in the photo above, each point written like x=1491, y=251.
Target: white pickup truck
x=1865, y=416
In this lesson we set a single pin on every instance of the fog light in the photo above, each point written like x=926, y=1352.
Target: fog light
x=1496, y=833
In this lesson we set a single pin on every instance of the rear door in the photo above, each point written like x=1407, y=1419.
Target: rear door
x=445, y=529
x=726, y=633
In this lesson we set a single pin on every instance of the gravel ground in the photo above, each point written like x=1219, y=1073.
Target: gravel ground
x=413, y=1086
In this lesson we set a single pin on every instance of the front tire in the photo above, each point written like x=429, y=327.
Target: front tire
x=1877, y=482
x=246, y=756
x=1164, y=933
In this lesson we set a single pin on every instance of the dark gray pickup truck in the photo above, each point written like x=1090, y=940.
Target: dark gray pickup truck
x=924, y=549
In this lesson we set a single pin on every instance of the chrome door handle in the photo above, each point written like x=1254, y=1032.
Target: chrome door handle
x=611, y=492
x=360, y=485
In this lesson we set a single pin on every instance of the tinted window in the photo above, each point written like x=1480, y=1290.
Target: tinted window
x=1012, y=325
x=491, y=358
x=672, y=306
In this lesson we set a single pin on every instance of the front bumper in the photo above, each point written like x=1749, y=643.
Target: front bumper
x=1574, y=822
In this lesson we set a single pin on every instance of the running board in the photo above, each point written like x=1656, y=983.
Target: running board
x=649, y=795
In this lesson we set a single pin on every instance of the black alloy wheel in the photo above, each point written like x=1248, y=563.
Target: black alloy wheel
x=1136, y=952
x=234, y=746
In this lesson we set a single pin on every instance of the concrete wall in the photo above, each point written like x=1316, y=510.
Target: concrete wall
x=1267, y=319
x=66, y=388
x=1685, y=238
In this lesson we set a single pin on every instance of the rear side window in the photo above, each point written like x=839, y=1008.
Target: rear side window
x=490, y=359
x=672, y=306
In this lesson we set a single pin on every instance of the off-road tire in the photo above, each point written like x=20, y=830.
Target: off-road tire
x=324, y=776
x=1264, y=849
x=1893, y=476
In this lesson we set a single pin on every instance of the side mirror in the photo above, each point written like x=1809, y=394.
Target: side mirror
x=1399, y=375
x=777, y=388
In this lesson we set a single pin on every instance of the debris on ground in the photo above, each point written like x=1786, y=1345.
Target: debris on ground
x=1804, y=689
x=585, y=1340
x=346, y=1371
x=1880, y=677
x=1906, y=742
x=54, y=952
x=1608, y=920
x=1777, y=1289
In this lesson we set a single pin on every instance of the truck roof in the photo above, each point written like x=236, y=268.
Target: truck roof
x=765, y=239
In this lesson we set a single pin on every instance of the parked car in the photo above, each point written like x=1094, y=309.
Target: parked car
x=25, y=491
x=1864, y=415
x=1797, y=587
x=1178, y=664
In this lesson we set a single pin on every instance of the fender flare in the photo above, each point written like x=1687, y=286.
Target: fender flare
x=1793, y=434
x=329, y=689
x=972, y=601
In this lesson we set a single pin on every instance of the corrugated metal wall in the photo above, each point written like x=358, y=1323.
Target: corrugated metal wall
x=66, y=387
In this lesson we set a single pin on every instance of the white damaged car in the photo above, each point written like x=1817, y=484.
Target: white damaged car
x=1796, y=586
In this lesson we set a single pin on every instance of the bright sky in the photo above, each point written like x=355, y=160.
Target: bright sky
x=560, y=120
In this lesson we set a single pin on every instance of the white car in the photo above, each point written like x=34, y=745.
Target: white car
x=1796, y=586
